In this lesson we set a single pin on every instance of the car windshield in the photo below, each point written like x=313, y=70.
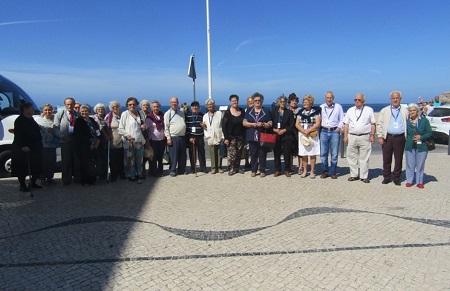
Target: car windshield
x=10, y=96
x=440, y=112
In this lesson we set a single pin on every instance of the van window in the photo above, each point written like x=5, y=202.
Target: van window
x=10, y=96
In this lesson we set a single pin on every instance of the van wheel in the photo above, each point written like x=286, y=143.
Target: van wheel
x=5, y=164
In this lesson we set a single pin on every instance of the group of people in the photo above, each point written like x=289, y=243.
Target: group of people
x=119, y=140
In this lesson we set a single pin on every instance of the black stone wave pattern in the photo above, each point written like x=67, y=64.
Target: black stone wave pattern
x=223, y=255
x=205, y=235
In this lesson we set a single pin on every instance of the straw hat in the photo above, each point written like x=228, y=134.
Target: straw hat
x=306, y=141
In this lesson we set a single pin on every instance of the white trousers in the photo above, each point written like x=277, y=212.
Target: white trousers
x=358, y=154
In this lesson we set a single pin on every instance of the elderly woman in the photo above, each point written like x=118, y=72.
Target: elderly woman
x=308, y=123
x=234, y=134
x=51, y=136
x=293, y=106
x=212, y=121
x=145, y=110
x=416, y=150
x=130, y=128
x=26, y=148
x=102, y=151
x=246, y=152
x=155, y=125
x=87, y=140
x=257, y=119
x=284, y=127
x=116, y=159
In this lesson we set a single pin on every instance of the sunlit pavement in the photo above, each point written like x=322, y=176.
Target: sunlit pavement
x=215, y=232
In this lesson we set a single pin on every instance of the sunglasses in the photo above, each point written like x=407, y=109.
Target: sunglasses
x=257, y=100
x=358, y=100
x=131, y=104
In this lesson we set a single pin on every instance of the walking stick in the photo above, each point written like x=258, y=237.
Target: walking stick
x=195, y=158
x=108, y=174
x=30, y=186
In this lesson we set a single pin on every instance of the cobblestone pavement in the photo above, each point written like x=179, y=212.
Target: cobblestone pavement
x=216, y=232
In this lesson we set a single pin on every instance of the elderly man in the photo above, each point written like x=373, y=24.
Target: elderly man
x=65, y=121
x=175, y=130
x=391, y=132
x=330, y=135
x=359, y=133
x=196, y=137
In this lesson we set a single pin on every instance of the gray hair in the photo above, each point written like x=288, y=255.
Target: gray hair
x=210, y=101
x=157, y=102
x=257, y=94
x=85, y=106
x=281, y=98
x=99, y=105
x=113, y=103
x=399, y=93
x=414, y=105
x=142, y=102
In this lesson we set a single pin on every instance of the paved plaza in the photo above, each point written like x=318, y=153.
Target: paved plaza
x=216, y=232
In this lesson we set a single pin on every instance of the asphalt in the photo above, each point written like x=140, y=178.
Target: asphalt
x=220, y=232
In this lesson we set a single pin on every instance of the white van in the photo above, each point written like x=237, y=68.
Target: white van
x=10, y=96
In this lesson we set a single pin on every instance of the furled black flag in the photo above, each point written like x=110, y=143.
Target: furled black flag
x=191, y=70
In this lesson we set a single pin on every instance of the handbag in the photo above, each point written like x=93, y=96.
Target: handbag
x=313, y=133
x=166, y=157
x=267, y=139
x=430, y=144
x=148, y=151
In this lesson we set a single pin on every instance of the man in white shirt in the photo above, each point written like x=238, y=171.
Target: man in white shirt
x=175, y=130
x=330, y=135
x=359, y=133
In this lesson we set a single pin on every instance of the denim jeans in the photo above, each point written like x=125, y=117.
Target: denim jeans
x=415, y=164
x=329, y=144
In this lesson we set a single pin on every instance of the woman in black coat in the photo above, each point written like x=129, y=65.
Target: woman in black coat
x=87, y=139
x=284, y=126
x=26, y=148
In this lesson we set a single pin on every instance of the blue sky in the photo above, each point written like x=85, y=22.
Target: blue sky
x=97, y=51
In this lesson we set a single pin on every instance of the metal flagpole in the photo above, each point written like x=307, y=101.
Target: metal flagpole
x=208, y=35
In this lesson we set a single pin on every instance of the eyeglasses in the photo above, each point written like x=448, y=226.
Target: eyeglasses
x=358, y=100
x=131, y=104
x=257, y=100
x=282, y=101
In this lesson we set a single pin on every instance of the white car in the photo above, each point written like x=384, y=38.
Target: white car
x=440, y=121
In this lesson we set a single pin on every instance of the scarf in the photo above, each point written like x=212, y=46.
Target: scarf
x=158, y=122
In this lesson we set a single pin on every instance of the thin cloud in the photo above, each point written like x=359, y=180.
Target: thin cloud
x=28, y=22
x=250, y=41
x=268, y=65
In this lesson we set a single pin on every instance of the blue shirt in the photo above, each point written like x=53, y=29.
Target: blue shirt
x=396, y=125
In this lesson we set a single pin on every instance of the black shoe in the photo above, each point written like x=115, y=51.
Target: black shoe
x=353, y=179
x=333, y=176
x=397, y=183
x=24, y=189
x=365, y=180
x=36, y=186
x=386, y=182
x=324, y=175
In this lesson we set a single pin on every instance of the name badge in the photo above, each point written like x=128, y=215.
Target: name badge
x=70, y=129
x=396, y=125
x=328, y=123
x=210, y=130
x=278, y=125
x=352, y=124
x=193, y=129
x=97, y=132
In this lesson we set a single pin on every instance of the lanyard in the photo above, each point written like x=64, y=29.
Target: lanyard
x=280, y=116
x=329, y=115
x=210, y=118
x=398, y=113
x=172, y=116
x=358, y=117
